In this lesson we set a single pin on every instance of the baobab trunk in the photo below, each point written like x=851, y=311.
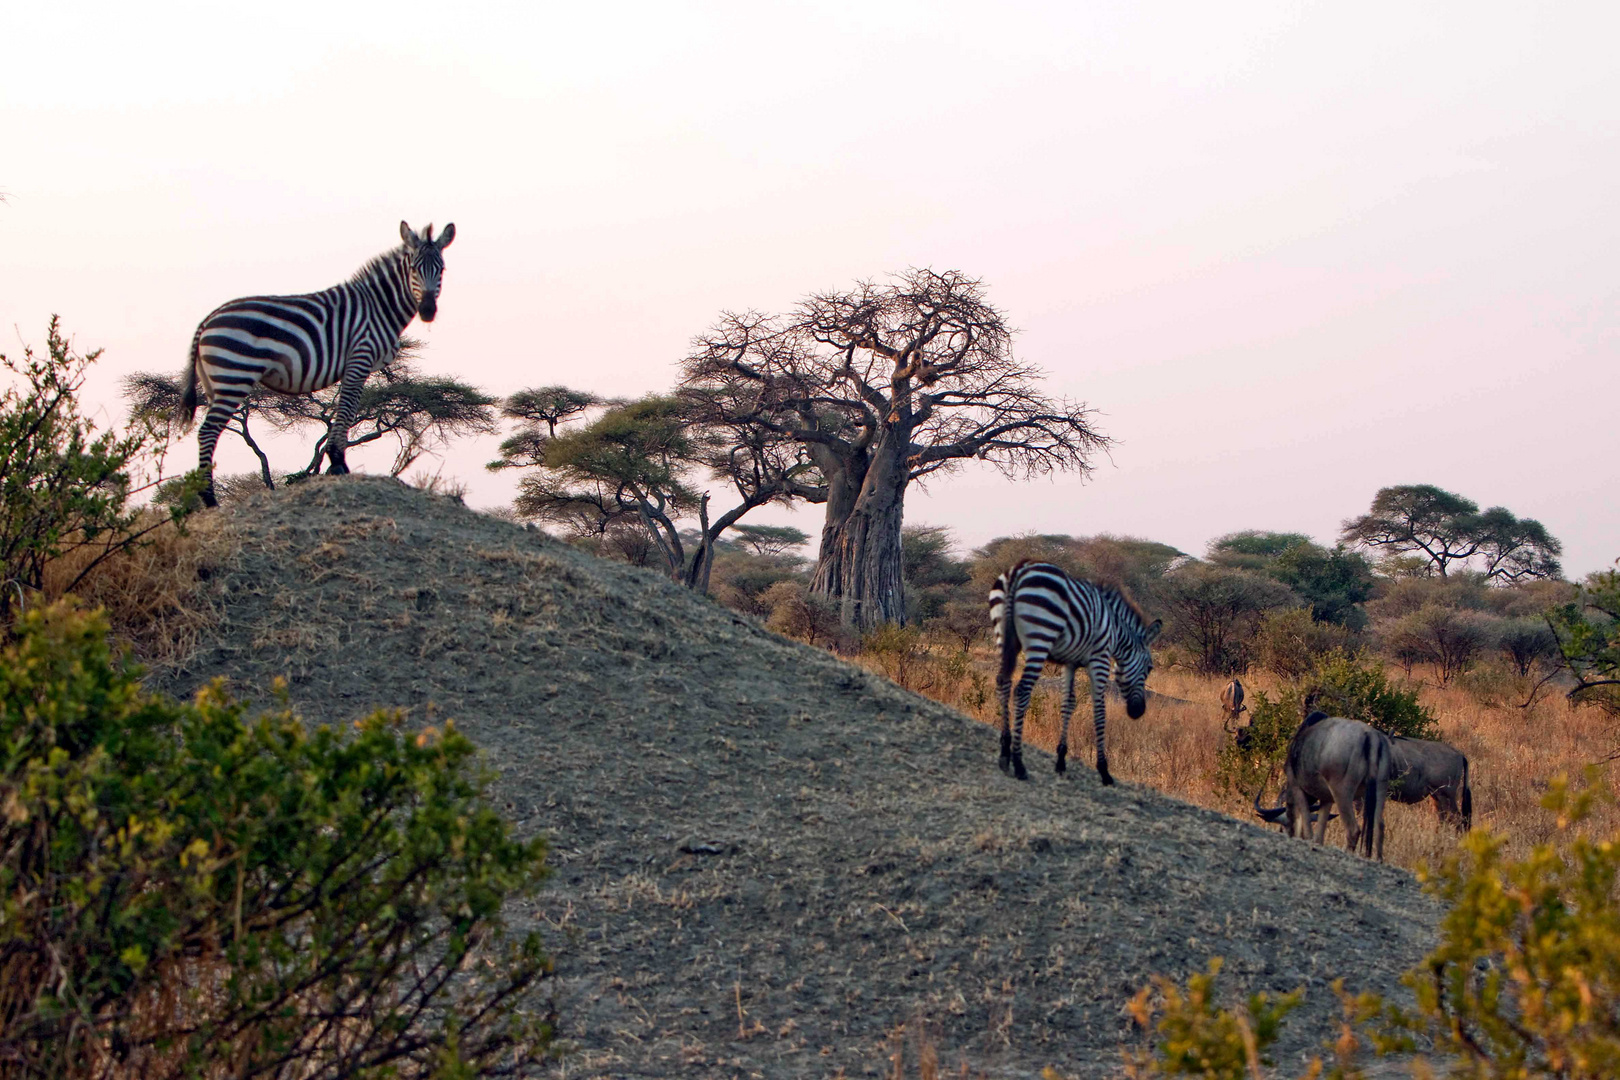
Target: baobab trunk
x=860, y=566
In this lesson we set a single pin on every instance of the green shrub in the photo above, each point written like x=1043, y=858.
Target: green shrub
x=1526, y=980
x=192, y=892
x=1524, y=985
x=1341, y=684
x=1352, y=685
x=63, y=488
x=1289, y=642
x=1245, y=763
x=1588, y=630
x=899, y=652
x=1197, y=1038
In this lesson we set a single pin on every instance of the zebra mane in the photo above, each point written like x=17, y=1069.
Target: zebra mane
x=370, y=270
x=1118, y=592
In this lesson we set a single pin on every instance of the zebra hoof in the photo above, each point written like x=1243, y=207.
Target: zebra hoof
x=1019, y=772
x=208, y=499
x=1108, y=781
x=1006, y=764
x=1062, y=760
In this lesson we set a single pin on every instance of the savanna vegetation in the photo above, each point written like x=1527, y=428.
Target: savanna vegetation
x=195, y=888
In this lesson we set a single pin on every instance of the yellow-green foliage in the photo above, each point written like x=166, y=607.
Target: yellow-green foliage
x=189, y=891
x=1524, y=985
x=1526, y=981
x=1198, y=1039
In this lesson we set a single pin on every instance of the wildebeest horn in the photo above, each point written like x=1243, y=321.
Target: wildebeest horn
x=1272, y=815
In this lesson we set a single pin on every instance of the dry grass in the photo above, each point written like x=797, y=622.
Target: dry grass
x=1512, y=752
x=156, y=596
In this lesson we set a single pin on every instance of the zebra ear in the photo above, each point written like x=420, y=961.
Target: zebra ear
x=1152, y=632
x=407, y=235
x=448, y=235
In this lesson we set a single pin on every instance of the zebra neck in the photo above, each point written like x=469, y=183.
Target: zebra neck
x=386, y=281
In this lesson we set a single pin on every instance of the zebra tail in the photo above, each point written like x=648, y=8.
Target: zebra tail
x=186, y=411
x=1009, y=632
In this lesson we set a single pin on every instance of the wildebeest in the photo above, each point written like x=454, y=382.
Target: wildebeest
x=1232, y=706
x=1232, y=700
x=1422, y=769
x=1335, y=760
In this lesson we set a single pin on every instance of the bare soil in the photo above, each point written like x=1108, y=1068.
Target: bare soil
x=768, y=859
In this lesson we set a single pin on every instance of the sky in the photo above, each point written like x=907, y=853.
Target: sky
x=1290, y=253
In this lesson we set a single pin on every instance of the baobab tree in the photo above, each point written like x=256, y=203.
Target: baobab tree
x=883, y=385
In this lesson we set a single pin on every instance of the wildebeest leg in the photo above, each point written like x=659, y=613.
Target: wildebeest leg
x=1021, y=695
x=1098, y=669
x=1377, y=796
x=1301, y=818
x=1063, y=735
x=1345, y=798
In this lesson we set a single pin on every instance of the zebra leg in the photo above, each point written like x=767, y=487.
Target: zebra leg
x=1003, y=692
x=1007, y=643
x=337, y=434
x=1063, y=734
x=1026, y=687
x=220, y=411
x=1099, y=714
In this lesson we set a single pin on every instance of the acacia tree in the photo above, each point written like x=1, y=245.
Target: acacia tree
x=1449, y=529
x=420, y=412
x=1419, y=518
x=881, y=386
x=1588, y=634
x=538, y=412
x=623, y=467
x=638, y=463
x=1515, y=549
x=155, y=399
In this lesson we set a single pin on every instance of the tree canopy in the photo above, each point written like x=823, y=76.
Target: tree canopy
x=1448, y=531
x=879, y=386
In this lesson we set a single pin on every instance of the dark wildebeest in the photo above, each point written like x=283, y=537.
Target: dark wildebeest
x=1421, y=769
x=1335, y=760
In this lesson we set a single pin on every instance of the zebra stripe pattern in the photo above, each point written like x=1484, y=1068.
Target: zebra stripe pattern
x=1041, y=610
x=301, y=344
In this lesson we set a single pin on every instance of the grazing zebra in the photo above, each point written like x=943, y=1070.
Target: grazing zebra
x=1052, y=616
x=301, y=344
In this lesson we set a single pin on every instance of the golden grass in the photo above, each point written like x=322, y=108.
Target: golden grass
x=156, y=595
x=1512, y=752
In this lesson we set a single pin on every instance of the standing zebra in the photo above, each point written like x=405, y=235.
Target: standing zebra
x=1052, y=616
x=301, y=344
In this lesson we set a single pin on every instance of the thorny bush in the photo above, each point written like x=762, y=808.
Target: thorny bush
x=1524, y=985
x=189, y=891
x=63, y=487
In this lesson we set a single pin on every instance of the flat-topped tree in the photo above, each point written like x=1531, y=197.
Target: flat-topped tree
x=421, y=413
x=1449, y=531
x=882, y=385
x=538, y=412
x=641, y=463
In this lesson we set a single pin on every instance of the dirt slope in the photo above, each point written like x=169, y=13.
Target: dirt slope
x=766, y=858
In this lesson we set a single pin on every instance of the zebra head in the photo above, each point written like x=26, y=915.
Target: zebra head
x=1132, y=662
x=424, y=262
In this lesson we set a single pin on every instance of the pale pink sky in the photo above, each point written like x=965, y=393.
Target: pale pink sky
x=1292, y=253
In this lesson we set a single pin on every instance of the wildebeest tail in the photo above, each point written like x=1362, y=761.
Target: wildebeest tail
x=186, y=411
x=1467, y=800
